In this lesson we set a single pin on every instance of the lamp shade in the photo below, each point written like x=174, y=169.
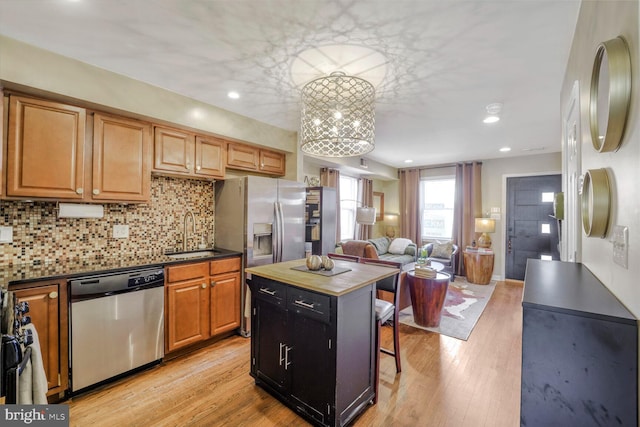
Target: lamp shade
x=366, y=216
x=391, y=219
x=485, y=225
x=338, y=116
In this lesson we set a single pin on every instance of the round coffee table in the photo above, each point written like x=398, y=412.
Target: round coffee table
x=427, y=297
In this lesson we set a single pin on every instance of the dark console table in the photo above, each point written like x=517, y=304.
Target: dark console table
x=579, y=350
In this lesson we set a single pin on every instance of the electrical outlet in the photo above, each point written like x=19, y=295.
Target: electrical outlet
x=120, y=231
x=6, y=234
x=620, y=240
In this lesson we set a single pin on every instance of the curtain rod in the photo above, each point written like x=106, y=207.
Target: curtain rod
x=441, y=166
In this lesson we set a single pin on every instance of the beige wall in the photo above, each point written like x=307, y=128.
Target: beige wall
x=24, y=66
x=598, y=22
x=494, y=175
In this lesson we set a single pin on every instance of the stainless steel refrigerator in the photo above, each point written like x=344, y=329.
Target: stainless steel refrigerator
x=264, y=219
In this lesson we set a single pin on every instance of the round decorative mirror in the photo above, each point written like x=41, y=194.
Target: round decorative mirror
x=596, y=202
x=610, y=94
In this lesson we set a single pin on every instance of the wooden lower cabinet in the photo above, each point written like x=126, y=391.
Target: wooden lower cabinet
x=48, y=311
x=202, y=301
x=314, y=352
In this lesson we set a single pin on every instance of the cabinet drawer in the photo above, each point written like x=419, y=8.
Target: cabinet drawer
x=179, y=273
x=225, y=265
x=270, y=291
x=309, y=304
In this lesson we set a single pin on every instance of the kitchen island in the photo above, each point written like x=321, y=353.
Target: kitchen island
x=313, y=337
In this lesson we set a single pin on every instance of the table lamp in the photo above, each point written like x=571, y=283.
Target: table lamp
x=391, y=222
x=484, y=226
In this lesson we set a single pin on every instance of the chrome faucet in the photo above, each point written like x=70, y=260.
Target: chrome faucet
x=184, y=232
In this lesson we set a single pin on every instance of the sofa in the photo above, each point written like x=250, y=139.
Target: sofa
x=403, y=250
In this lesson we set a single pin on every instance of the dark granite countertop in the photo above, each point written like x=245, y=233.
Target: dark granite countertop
x=73, y=267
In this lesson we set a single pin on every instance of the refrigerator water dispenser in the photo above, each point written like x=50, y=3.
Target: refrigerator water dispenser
x=262, y=239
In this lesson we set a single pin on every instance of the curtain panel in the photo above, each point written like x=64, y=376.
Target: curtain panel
x=365, y=197
x=331, y=178
x=467, y=207
x=410, y=227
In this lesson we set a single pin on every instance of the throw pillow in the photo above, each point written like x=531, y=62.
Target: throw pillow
x=442, y=250
x=398, y=246
x=381, y=244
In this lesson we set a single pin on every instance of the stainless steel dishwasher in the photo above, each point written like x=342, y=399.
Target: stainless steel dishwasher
x=117, y=325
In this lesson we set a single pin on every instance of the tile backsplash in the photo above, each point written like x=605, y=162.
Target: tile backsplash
x=40, y=236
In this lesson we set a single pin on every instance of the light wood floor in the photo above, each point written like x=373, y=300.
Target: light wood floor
x=444, y=382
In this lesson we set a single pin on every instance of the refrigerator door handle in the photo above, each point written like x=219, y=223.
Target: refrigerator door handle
x=280, y=231
x=276, y=233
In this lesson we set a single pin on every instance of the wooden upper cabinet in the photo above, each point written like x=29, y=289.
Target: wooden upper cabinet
x=173, y=150
x=272, y=162
x=246, y=157
x=121, y=159
x=45, y=152
x=184, y=154
x=210, y=157
x=242, y=156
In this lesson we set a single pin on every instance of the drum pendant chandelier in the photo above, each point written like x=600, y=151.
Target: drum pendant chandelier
x=338, y=116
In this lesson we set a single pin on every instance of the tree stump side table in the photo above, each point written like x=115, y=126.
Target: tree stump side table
x=427, y=298
x=478, y=267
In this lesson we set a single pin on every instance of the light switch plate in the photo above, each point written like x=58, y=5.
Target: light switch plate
x=620, y=240
x=6, y=234
x=120, y=231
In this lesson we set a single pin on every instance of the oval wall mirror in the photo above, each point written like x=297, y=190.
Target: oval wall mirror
x=610, y=94
x=596, y=202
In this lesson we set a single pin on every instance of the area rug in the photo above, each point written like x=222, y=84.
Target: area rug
x=463, y=306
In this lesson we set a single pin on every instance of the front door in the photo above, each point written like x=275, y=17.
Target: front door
x=532, y=232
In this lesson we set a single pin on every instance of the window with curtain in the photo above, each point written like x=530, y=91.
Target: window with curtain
x=348, y=205
x=437, y=197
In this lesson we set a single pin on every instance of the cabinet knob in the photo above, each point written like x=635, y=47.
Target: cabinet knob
x=198, y=167
x=53, y=295
x=213, y=283
x=79, y=190
x=188, y=166
x=204, y=286
x=96, y=191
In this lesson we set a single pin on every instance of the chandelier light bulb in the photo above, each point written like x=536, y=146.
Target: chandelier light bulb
x=337, y=115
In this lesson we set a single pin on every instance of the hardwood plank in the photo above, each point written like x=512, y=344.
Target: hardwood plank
x=444, y=382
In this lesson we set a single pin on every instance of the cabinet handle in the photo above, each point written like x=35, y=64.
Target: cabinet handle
x=280, y=357
x=267, y=291
x=213, y=283
x=204, y=286
x=286, y=357
x=53, y=295
x=79, y=190
x=303, y=304
x=96, y=191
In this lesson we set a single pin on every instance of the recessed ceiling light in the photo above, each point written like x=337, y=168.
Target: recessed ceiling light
x=408, y=161
x=233, y=95
x=493, y=112
x=491, y=119
x=505, y=149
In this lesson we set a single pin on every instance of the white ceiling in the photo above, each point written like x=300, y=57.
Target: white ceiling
x=436, y=64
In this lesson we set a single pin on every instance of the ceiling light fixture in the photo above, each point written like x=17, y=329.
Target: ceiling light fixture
x=493, y=113
x=233, y=95
x=505, y=149
x=338, y=117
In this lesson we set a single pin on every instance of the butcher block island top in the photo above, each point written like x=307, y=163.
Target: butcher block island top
x=358, y=276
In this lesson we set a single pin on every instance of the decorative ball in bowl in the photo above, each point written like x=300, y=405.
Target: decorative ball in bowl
x=327, y=263
x=314, y=263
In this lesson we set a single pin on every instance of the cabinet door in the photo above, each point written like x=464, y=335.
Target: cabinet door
x=121, y=159
x=272, y=162
x=225, y=302
x=242, y=156
x=311, y=381
x=187, y=308
x=173, y=150
x=269, y=338
x=45, y=152
x=45, y=316
x=210, y=157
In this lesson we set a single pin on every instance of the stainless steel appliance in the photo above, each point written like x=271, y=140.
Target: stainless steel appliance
x=264, y=219
x=117, y=324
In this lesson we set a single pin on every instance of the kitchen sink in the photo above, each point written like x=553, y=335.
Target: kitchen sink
x=196, y=254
